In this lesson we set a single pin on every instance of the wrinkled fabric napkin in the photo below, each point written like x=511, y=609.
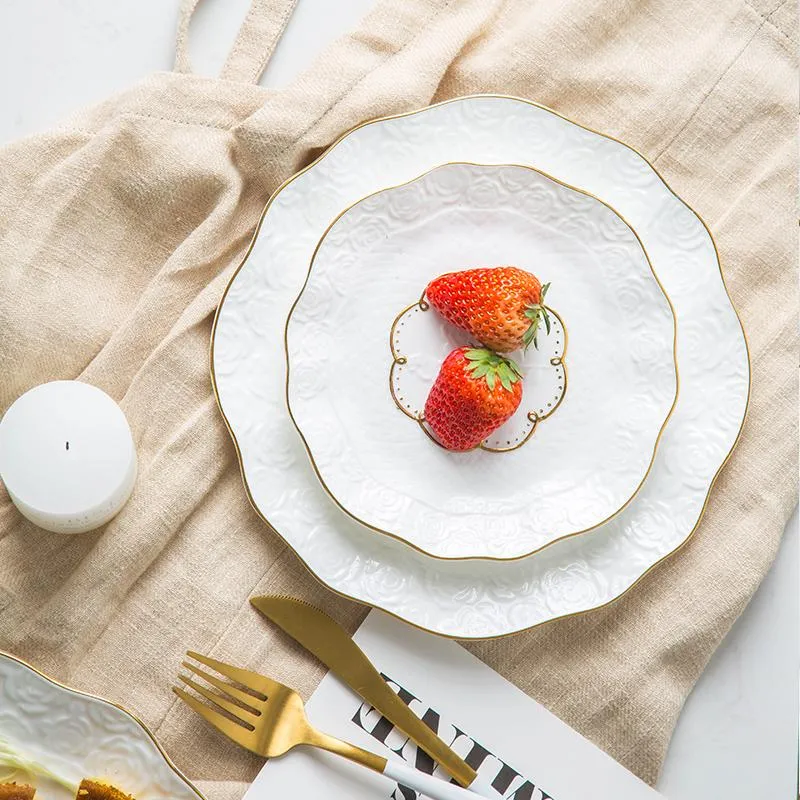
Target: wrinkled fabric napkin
x=120, y=229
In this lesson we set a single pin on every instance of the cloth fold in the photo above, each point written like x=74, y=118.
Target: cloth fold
x=120, y=229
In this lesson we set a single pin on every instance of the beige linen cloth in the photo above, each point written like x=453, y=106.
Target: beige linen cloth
x=120, y=229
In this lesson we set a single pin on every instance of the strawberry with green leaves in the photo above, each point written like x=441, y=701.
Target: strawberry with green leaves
x=502, y=307
x=475, y=392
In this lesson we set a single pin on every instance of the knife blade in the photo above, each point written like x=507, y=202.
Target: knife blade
x=333, y=646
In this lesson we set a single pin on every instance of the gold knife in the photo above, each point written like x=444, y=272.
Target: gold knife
x=332, y=645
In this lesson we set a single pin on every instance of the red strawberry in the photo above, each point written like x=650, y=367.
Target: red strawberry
x=475, y=392
x=502, y=307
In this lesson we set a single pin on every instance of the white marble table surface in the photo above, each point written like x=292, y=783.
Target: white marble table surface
x=737, y=736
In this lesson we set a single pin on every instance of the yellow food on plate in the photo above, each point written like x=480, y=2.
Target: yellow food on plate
x=88, y=790
x=16, y=791
x=96, y=790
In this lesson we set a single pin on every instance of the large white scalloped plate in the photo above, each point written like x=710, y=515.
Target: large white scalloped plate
x=76, y=736
x=582, y=464
x=470, y=599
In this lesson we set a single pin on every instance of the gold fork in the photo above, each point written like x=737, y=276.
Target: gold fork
x=269, y=719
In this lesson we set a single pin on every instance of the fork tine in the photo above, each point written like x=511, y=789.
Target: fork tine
x=232, y=708
x=227, y=688
x=242, y=736
x=252, y=680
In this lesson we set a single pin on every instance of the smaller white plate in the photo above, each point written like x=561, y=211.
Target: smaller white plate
x=77, y=736
x=582, y=464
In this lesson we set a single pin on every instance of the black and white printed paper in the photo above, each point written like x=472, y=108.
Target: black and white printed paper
x=520, y=750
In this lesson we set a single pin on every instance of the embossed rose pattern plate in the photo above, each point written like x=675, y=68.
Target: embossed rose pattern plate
x=582, y=464
x=474, y=599
x=77, y=736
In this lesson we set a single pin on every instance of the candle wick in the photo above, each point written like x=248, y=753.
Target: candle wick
x=67, y=445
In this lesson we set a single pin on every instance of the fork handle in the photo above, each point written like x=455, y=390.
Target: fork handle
x=434, y=788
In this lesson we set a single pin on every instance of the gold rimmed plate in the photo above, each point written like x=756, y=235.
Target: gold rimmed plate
x=61, y=736
x=478, y=598
x=567, y=461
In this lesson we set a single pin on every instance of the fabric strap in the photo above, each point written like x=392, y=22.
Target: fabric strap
x=255, y=42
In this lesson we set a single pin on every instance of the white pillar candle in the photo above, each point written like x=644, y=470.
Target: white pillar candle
x=67, y=457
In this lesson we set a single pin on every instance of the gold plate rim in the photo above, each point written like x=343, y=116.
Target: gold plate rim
x=90, y=696
x=243, y=261
x=662, y=427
